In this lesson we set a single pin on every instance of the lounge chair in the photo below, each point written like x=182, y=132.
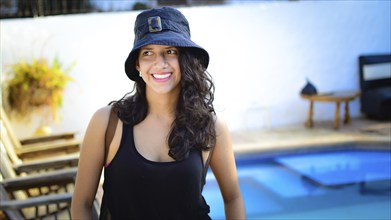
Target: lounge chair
x=20, y=166
x=36, y=193
x=38, y=146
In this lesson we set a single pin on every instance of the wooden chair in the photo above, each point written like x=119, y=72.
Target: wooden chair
x=13, y=208
x=33, y=196
x=38, y=193
x=17, y=201
x=20, y=166
x=38, y=146
x=32, y=140
x=20, y=187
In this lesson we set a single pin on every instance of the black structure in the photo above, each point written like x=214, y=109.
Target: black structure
x=375, y=84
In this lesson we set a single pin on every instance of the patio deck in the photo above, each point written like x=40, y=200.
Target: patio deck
x=300, y=137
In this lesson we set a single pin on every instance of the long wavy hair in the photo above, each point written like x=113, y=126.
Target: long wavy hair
x=194, y=124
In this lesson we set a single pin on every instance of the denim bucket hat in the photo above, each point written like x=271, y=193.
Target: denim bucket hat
x=162, y=26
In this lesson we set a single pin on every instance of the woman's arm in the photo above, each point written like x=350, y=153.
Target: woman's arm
x=90, y=165
x=224, y=168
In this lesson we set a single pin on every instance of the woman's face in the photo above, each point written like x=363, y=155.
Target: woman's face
x=159, y=65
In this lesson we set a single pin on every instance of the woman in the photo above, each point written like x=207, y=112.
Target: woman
x=167, y=130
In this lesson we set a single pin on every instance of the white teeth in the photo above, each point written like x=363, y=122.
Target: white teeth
x=161, y=76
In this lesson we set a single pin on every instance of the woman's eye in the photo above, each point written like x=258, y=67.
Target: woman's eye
x=171, y=52
x=147, y=53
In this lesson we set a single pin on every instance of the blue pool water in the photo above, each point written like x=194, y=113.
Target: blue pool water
x=338, y=184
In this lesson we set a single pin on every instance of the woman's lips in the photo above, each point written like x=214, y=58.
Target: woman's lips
x=161, y=76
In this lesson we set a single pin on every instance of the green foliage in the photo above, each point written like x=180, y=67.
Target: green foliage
x=35, y=85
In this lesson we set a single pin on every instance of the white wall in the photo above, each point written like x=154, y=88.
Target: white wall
x=261, y=53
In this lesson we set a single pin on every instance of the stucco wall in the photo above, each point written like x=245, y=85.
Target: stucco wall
x=261, y=53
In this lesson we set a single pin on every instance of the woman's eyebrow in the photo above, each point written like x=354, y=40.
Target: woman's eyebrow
x=146, y=48
x=151, y=48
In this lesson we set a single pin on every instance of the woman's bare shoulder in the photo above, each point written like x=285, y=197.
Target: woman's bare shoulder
x=100, y=119
x=102, y=113
x=103, y=110
x=220, y=124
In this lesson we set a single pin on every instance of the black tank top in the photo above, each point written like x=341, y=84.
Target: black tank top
x=137, y=188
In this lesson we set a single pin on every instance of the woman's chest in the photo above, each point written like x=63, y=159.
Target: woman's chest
x=151, y=141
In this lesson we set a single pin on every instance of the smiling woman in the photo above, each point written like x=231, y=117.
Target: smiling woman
x=156, y=164
x=161, y=69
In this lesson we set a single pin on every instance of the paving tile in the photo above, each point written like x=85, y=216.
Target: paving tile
x=299, y=137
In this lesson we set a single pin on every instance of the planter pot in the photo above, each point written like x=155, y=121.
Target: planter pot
x=43, y=130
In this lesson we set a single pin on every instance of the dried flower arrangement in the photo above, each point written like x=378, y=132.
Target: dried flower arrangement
x=36, y=85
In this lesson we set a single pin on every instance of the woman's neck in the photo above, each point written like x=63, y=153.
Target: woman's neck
x=162, y=104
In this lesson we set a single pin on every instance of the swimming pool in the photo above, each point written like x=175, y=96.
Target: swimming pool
x=339, y=182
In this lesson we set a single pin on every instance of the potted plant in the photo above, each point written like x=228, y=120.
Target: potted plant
x=36, y=85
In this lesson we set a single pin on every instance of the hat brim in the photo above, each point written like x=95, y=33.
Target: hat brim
x=163, y=38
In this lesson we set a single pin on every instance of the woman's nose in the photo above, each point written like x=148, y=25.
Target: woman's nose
x=161, y=61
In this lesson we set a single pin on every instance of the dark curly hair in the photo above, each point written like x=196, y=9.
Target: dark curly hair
x=194, y=124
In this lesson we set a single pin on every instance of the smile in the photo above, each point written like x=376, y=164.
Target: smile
x=161, y=76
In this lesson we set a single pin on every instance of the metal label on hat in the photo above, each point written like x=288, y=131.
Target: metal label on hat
x=155, y=24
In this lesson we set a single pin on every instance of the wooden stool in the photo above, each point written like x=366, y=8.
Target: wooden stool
x=337, y=97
